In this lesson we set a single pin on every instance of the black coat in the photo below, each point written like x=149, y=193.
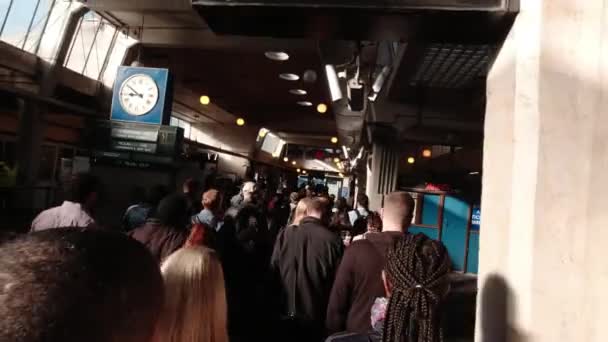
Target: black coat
x=160, y=240
x=305, y=260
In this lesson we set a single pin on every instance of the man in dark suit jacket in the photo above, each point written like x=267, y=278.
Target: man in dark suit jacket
x=304, y=261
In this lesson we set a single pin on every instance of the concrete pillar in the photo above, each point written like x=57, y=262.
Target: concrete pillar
x=29, y=142
x=31, y=114
x=543, y=273
x=382, y=170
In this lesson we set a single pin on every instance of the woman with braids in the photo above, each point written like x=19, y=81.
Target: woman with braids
x=416, y=282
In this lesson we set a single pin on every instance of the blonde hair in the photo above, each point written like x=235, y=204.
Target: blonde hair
x=301, y=210
x=195, y=298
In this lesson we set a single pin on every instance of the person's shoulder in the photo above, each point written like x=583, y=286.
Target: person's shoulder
x=362, y=245
x=353, y=337
x=45, y=219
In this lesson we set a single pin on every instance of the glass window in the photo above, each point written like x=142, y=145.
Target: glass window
x=123, y=42
x=99, y=50
x=55, y=28
x=16, y=26
x=174, y=122
x=186, y=127
x=83, y=41
x=47, y=163
x=4, y=4
x=194, y=133
x=39, y=22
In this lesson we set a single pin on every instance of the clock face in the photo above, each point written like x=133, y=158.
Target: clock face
x=138, y=94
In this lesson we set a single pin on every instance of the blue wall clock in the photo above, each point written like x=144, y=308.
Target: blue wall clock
x=142, y=95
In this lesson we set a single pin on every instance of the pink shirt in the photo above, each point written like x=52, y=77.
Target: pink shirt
x=69, y=214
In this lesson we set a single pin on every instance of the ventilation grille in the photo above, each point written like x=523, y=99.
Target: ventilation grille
x=452, y=65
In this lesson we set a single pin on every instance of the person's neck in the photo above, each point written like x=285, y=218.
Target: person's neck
x=392, y=227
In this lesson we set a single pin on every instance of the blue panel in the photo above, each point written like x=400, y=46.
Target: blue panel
x=430, y=210
x=160, y=113
x=430, y=232
x=473, y=260
x=455, y=219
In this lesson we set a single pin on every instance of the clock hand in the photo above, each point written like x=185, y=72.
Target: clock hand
x=135, y=91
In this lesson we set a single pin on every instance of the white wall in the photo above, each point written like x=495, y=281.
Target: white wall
x=543, y=273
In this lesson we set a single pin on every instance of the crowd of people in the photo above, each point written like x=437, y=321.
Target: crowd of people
x=186, y=267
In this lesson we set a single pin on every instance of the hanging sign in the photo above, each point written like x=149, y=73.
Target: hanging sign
x=476, y=218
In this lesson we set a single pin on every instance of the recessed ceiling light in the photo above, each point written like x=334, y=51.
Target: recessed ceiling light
x=277, y=56
x=334, y=140
x=293, y=163
x=263, y=132
x=411, y=160
x=240, y=122
x=286, y=159
x=289, y=77
x=305, y=103
x=298, y=91
x=205, y=100
x=322, y=108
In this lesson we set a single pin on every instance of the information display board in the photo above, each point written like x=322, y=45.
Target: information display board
x=134, y=144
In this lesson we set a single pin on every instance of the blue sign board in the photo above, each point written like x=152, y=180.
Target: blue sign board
x=142, y=95
x=476, y=218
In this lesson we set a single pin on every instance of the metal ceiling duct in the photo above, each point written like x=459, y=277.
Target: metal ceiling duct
x=396, y=20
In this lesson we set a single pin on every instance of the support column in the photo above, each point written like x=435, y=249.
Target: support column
x=543, y=274
x=31, y=116
x=382, y=170
x=30, y=137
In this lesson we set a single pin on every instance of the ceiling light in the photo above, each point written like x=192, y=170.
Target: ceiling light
x=240, y=122
x=309, y=76
x=322, y=108
x=298, y=91
x=299, y=170
x=293, y=163
x=334, y=83
x=345, y=150
x=474, y=173
x=336, y=160
x=277, y=56
x=305, y=103
x=379, y=83
x=289, y=77
x=205, y=100
x=334, y=140
x=427, y=153
x=411, y=160
x=263, y=132
x=286, y=159
x=304, y=172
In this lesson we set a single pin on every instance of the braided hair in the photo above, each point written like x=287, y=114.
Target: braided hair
x=417, y=268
